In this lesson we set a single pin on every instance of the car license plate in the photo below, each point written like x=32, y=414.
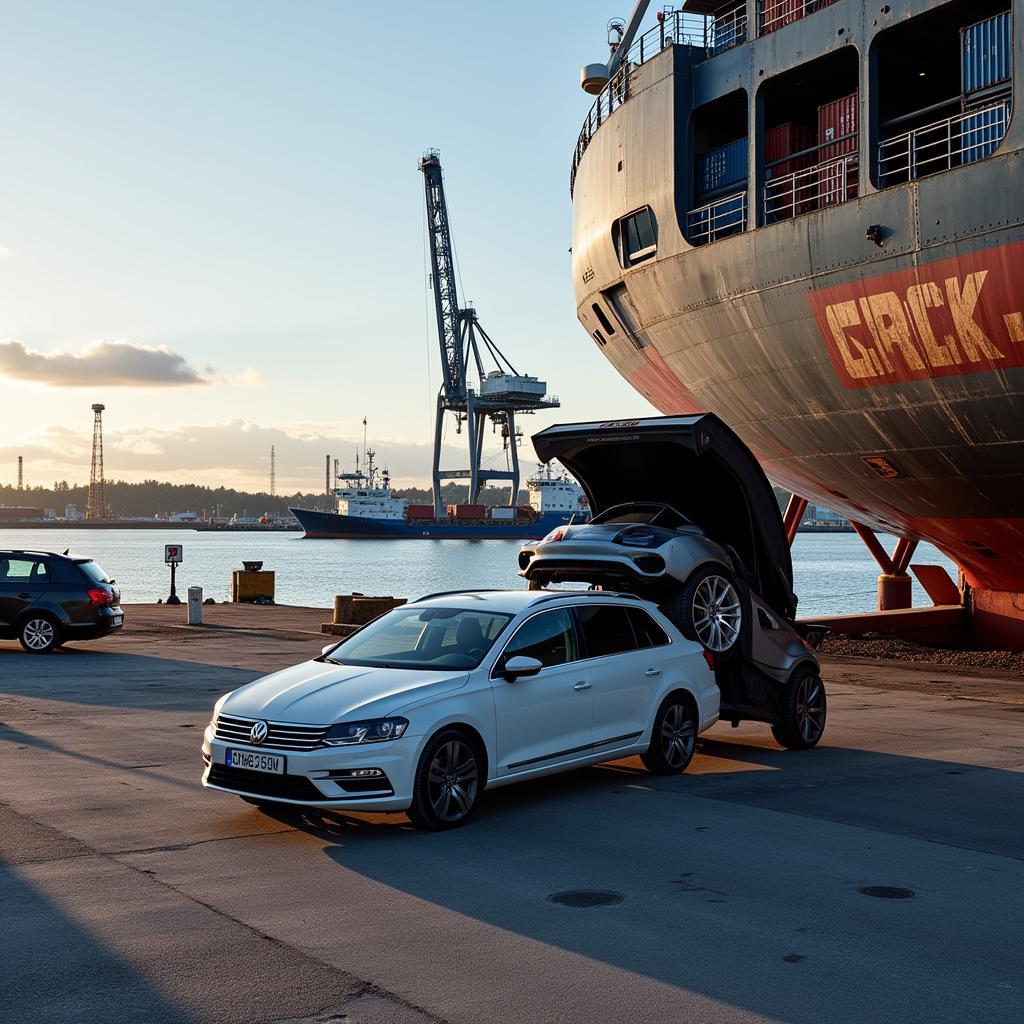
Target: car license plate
x=272, y=764
x=116, y=620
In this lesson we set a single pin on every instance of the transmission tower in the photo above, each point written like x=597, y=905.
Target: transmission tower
x=96, y=505
x=273, y=482
x=21, y=475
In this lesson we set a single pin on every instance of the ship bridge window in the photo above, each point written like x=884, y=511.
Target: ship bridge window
x=719, y=184
x=944, y=84
x=811, y=137
x=635, y=237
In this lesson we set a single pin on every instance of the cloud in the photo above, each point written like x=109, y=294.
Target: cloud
x=232, y=454
x=4, y=252
x=109, y=363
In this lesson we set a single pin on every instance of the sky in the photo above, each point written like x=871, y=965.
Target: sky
x=211, y=221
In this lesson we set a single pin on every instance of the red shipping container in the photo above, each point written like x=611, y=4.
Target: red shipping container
x=781, y=12
x=796, y=194
x=419, y=511
x=467, y=511
x=838, y=181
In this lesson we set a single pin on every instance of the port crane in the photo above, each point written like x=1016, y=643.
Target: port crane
x=500, y=392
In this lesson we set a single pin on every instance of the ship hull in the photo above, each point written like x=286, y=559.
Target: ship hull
x=332, y=525
x=814, y=343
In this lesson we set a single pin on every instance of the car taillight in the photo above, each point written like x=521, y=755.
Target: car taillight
x=556, y=534
x=98, y=596
x=709, y=658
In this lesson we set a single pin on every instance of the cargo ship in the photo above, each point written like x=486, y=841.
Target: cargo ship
x=807, y=216
x=366, y=509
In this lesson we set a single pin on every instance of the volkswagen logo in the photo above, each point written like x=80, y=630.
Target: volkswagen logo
x=258, y=732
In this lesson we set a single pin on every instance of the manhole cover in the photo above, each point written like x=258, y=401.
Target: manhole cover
x=887, y=892
x=586, y=898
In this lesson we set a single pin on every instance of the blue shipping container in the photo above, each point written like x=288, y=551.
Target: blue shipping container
x=721, y=168
x=986, y=54
x=726, y=217
x=982, y=132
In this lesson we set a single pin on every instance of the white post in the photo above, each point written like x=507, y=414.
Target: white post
x=195, y=606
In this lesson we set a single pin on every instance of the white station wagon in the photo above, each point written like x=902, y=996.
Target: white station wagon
x=430, y=704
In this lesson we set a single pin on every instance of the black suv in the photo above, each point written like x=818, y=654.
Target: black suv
x=48, y=599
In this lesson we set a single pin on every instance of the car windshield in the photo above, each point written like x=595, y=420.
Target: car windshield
x=93, y=572
x=423, y=637
x=648, y=515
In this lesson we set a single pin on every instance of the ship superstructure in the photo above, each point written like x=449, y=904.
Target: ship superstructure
x=807, y=216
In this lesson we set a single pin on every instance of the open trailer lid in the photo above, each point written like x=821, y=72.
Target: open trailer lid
x=694, y=463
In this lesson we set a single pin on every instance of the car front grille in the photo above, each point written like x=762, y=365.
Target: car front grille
x=280, y=735
x=287, y=787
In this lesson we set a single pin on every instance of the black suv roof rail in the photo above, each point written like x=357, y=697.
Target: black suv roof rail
x=30, y=551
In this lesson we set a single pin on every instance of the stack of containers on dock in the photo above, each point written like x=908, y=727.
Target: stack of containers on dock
x=463, y=513
x=721, y=174
x=986, y=66
x=837, y=135
x=795, y=195
x=419, y=512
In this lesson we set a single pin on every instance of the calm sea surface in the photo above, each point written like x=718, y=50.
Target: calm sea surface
x=834, y=573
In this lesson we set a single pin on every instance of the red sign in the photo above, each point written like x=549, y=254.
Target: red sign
x=172, y=553
x=961, y=315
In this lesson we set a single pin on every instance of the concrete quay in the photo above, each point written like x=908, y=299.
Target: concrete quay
x=878, y=878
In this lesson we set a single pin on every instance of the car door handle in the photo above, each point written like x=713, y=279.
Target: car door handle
x=25, y=596
x=582, y=685
x=652, y=672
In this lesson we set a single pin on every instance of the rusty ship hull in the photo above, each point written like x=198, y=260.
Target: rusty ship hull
x=871, y=351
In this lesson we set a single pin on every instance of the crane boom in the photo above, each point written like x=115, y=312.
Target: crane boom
x=442, y=264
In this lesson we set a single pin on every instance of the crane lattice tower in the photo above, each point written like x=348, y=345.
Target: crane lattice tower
x=21, y=473
x=96, y=504
x=273, y=481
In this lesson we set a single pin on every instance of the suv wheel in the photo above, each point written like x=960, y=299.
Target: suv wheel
x=802, y=711
x=39, y=634
x=673, y=737
x=708, y=609
x=447, y=783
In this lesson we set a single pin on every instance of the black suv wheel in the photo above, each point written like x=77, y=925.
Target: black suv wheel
x=39, y=634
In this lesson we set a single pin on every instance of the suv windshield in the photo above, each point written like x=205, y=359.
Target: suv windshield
x=423, y=637
x=648, y=515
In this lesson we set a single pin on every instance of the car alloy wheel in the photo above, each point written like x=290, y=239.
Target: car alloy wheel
x=673, y=737
x=452, y=781
x=678, y=736
x=38, y=635
x=717, y=614
x=810, y=709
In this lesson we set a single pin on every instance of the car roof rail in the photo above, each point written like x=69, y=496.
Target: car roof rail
x=31, y=551
x=554, y=594
x=452, y=593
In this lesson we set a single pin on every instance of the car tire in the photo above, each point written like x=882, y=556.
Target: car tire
x=449, y=778
x=39, y=633
x=803, y=711
x=673, y=737
x=709, y=609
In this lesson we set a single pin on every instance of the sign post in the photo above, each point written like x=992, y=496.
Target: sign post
x=173, y=557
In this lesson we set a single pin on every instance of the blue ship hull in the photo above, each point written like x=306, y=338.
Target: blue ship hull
x=333, y=525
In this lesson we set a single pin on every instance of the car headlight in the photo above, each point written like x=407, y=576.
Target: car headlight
x=376, y=730
x=637, y=538
x=556, y=534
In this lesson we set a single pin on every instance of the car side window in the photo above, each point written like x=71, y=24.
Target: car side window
x=549, y=637
x=22, y=570
x=648, y=632
x=606, y=630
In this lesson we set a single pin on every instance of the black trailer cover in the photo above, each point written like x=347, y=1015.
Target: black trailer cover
x=694, y=463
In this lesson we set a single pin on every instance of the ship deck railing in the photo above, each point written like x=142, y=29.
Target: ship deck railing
x=942, y=145
x=717, y=219
x=816, y=185
x=714, y=34
x=775, y=14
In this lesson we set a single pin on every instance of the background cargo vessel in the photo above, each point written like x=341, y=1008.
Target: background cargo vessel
x=806, y=217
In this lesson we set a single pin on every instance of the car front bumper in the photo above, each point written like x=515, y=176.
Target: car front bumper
x=314, y=778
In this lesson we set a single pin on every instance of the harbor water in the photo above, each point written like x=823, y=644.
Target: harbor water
x=834, y=574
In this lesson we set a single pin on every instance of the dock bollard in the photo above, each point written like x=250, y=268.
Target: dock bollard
x=195, y=606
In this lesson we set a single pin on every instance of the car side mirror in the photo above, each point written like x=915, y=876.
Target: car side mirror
x=327, y=650
x=520, y=667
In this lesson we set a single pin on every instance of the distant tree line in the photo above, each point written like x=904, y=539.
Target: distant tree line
x=153, y=497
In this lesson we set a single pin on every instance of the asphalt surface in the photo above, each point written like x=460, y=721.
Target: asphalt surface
x=733, y=893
